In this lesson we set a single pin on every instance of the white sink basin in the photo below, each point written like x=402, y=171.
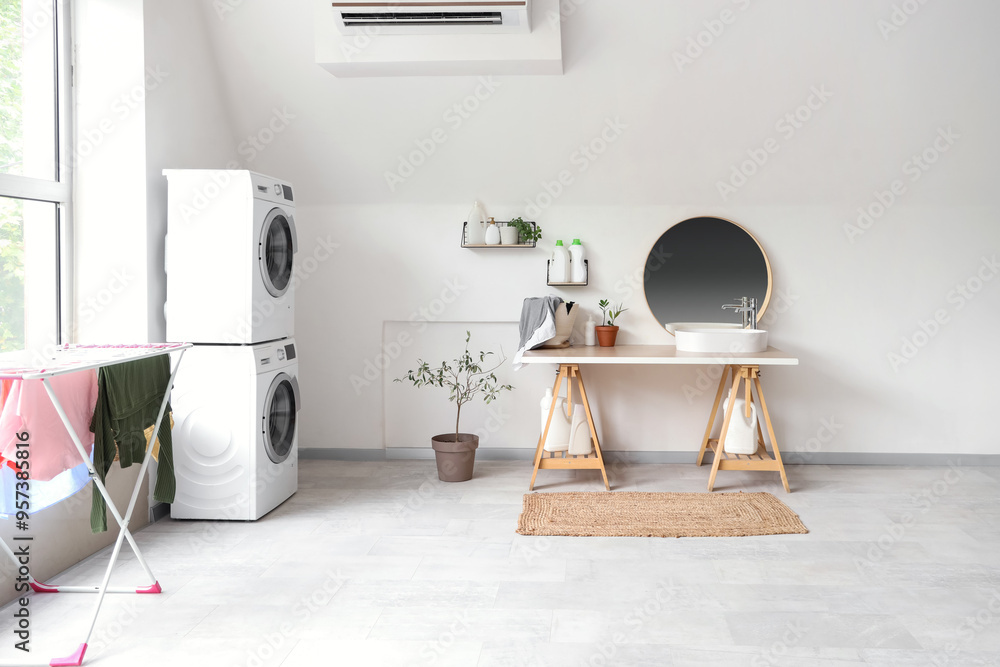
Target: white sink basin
x=716, y=340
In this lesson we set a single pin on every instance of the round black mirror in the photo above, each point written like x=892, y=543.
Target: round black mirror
x=699, y=265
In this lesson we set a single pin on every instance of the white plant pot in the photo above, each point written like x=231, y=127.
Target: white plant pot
x=508, y=235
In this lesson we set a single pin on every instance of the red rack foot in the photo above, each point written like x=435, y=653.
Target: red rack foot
x=43, y=588
x=150, y=590
x=74, y=660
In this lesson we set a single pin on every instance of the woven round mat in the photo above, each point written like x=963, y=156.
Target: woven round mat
x=641, y=514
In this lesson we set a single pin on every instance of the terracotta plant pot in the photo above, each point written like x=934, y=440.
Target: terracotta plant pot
x=455, y=460
x=606, y=336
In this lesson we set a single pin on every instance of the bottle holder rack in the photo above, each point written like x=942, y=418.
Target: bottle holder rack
x=586, y=280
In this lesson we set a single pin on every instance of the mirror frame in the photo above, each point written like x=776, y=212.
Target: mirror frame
x=767, y=263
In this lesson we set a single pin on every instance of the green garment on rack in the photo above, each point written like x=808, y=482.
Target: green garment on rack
x=128, y=401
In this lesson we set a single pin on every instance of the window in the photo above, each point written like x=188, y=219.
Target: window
x=35, y=172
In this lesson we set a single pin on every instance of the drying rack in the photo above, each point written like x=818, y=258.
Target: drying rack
x=70, y=359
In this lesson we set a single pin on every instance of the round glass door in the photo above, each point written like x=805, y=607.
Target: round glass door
x=276, y=249
x=279, y=418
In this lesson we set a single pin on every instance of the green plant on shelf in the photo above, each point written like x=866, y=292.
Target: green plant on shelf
x=609, y=314
x=527, y=232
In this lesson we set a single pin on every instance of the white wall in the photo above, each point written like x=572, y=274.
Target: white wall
x=850, y=299
x=109, y=160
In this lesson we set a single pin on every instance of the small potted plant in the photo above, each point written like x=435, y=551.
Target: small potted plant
x=607, y=333
x=526, y=232
x=465, y=378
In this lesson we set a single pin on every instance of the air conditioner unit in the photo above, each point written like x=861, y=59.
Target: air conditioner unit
x=419, y=17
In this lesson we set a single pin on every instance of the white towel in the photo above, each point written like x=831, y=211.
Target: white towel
x=538, y=324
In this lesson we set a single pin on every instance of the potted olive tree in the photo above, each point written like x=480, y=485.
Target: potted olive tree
x=607, y=333
x=465, y=378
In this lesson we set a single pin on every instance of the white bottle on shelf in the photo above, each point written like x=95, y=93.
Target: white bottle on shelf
x=590, y=331
x=492, y=233
x=559, y=267
x=475, y=226
x=557, y=439
x=577, y=269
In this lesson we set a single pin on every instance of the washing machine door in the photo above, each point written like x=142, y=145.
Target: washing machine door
x=276, y=248
x=281, y=406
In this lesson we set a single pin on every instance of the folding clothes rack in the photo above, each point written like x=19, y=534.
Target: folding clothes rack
x=71, y=359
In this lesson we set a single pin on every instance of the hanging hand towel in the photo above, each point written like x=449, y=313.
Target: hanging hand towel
x=538, y=324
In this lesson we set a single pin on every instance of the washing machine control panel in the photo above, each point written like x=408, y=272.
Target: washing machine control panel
x=266, y=187
x=269, y=357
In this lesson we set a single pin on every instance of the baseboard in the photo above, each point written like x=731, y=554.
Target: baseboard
x=791, y=458
x=341, y=454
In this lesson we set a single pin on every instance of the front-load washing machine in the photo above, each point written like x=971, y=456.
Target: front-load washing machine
x=235, y=430
x=229, y=257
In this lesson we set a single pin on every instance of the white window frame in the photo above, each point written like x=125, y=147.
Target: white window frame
x=58, y=191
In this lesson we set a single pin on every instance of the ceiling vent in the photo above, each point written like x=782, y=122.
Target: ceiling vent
x=415, y=17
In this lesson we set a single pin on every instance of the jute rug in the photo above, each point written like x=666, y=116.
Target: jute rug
x=641, y=514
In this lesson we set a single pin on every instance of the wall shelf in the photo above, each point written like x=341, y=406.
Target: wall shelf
x=586, y=266
x=465, y=235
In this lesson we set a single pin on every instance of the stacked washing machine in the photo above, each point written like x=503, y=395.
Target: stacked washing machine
x=230, y=264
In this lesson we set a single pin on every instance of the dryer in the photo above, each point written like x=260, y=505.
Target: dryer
x=229, y=257
x=235, y=430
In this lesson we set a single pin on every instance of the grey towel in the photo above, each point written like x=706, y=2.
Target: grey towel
x=538, y=324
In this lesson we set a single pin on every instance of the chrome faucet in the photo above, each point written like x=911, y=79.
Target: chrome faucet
x=748, y=307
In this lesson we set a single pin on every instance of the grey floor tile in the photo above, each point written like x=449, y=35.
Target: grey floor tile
x=379, y=563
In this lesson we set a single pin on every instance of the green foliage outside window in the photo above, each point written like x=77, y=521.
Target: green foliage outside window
x=11, y=227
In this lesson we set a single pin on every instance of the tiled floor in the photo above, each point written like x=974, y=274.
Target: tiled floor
x=381, y=564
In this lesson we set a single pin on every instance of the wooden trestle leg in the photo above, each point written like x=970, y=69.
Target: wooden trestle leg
x=593, y=461
x=749, y=377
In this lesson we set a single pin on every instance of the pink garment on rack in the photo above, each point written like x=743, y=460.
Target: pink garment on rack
x=28, y=408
